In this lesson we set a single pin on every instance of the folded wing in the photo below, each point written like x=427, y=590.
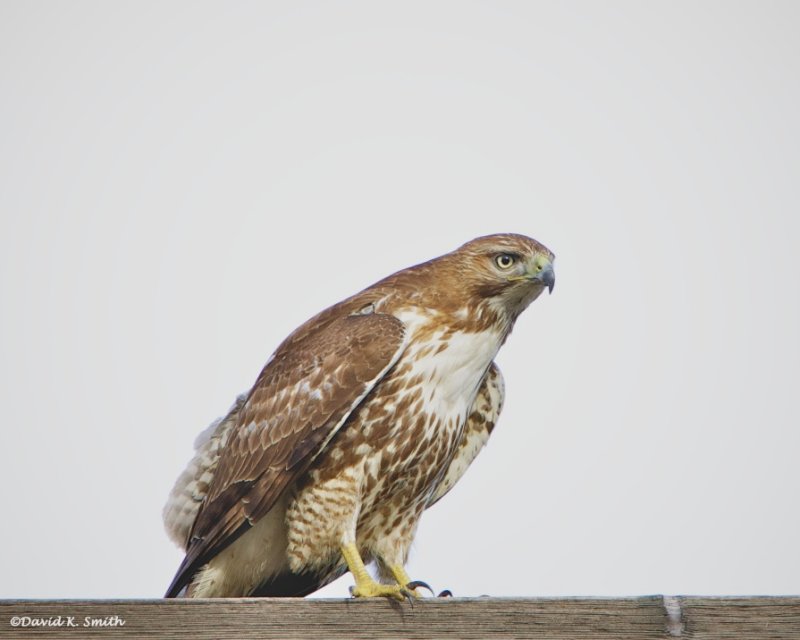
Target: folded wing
x=303, y=396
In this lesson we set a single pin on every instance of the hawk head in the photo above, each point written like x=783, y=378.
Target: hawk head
x=508, y=271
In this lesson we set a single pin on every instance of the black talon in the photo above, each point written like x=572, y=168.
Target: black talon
x=445, y=594
x=415, y=584
x=409, y=596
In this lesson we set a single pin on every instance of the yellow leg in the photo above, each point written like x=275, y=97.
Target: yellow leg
x=403, y=579
x=365, y=586
x=400, y=574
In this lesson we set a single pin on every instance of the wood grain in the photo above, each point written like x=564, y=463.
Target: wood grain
x=266, y=618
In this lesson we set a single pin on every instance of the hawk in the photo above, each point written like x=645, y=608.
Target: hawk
x=363, y=417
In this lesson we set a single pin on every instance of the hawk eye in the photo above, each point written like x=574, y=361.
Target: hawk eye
x=505, y=261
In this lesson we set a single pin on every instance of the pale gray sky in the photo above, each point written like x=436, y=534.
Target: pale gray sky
x=184, y=183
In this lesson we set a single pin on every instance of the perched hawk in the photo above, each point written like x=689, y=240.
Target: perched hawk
x=362, y=418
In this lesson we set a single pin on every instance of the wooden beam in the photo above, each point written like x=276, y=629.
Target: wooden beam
x=266, y=618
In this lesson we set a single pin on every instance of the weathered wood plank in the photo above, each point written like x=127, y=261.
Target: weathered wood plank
x=565, y=618
x=745, y=618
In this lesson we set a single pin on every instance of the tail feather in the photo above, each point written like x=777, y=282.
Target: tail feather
x=283, y=585
x=296, y=585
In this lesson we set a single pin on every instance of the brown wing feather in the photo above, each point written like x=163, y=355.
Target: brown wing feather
x=303, y=395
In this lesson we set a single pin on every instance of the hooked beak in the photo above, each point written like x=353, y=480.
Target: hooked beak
x=548, y=277
x=542, y=271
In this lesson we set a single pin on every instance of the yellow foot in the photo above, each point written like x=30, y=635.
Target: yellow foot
x=366, y=587
x=372, y=589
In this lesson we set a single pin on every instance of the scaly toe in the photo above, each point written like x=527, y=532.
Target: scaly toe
x=377, y=590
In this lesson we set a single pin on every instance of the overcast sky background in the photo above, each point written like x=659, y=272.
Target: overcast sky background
x=184, y=183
